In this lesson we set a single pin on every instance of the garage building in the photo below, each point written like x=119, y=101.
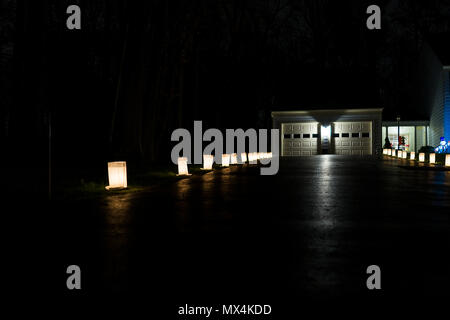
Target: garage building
x=355, y=132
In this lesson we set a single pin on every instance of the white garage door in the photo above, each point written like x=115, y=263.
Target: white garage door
x=299, y=139
x=353, y=138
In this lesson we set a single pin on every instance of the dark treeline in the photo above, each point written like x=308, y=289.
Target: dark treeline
x=139, y=69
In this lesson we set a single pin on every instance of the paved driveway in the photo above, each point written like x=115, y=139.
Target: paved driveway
x=310, y=231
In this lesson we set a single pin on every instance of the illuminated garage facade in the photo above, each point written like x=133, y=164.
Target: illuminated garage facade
x=355, y=132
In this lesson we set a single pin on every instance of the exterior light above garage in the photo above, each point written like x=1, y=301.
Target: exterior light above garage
x=117, y=175
x=207, y=161
x=182, y=167
x=325, y=131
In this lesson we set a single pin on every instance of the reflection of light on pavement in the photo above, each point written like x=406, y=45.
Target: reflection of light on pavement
x=325, y=163
x=208, y=186
x=197, y=198
x=322, y=230
x=183, y=187
x=324, y=180
x=118, y=214
x=182, y=205
x=225, y=182
x=326, y=199
x=118, y=219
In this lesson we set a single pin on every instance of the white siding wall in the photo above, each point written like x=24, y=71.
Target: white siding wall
x=437, y=111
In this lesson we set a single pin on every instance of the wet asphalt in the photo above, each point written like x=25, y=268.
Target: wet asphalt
x=308, y=232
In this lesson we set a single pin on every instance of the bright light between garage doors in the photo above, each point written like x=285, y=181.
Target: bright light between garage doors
x=325, y=131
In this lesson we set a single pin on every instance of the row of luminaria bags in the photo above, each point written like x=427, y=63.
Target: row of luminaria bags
x=412, y=156
x=117, y=170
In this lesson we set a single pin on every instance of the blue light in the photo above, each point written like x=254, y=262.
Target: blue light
x=443, y=147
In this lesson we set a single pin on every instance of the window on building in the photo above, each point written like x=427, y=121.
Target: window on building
x=297, y=136
x=355, y=134
x=287, y=135
x=406, y=135
x=336, y=135
x=315, y=135
x=365, y=134
x=345, y=135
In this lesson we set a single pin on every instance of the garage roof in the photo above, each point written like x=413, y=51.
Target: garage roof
x=326, y=111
